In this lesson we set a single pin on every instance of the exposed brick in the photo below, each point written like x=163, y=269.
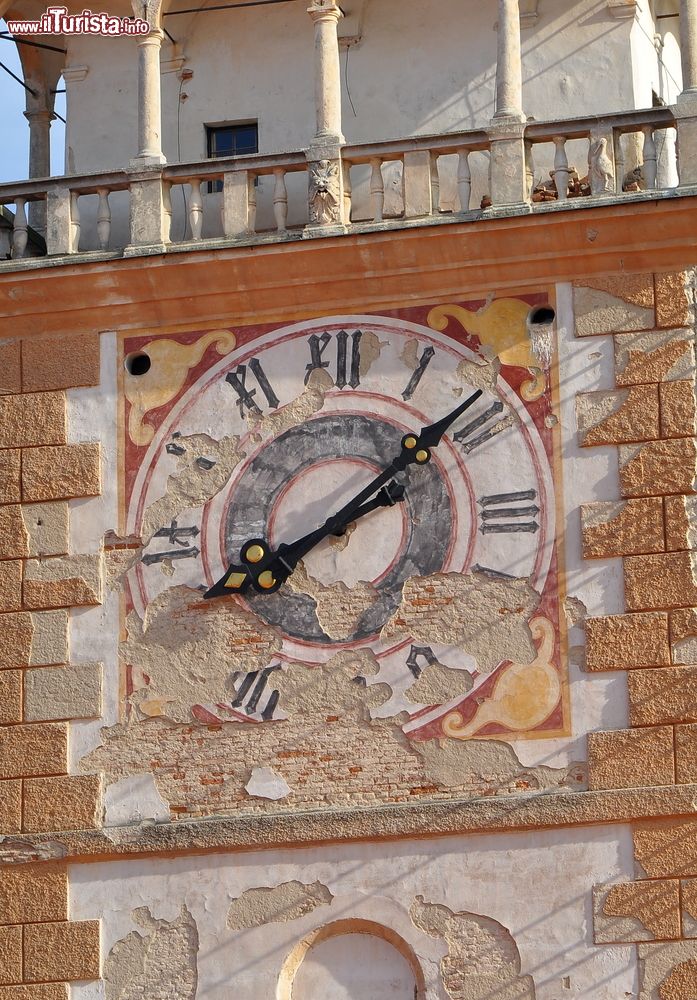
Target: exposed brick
x=686, y=754
x=33, y=893
x=10, y=585
x=10, y=696
x=658, y=467
x=637, y=911
x=653, y=357
x=58, y=473
x=672, y=303
x=34, y=750
x=67, y=951
x=10, y=806
x=678, y=409
x=10, y=475
x=621, y=642
x=10, y=367
x=10, y=955
x=13, y=536
x=33, y=419
x=624, y=527
x=37, y=991
x=665, y=849
x=60, y=362
x=62, y=581
x=662, y=696
x=631, y=758
x=615, y=417
x=16, y=632
x=680, y=522
x=660, y=581
x=70, y=802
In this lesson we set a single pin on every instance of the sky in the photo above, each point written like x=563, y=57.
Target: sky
x=14, y=127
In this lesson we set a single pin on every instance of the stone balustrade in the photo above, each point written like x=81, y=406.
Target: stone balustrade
x=396, y=183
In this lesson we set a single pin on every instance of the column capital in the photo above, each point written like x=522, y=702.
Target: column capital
x=324, y=10
x=155, y=36
x=41, y=115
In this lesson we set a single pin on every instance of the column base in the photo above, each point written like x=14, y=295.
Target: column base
x=146, y=162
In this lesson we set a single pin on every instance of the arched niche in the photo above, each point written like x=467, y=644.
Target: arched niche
x=401, y=966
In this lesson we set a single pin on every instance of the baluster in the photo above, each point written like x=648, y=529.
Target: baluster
x=103, y=219
x=377, y=190
x=347, y=191
x=529, y=171
x=19, y=232
x=74, y=222
x=650, y=158
x=167, y=207
x=561, y=168
x=464, y=179
x=280, y=199
x=619, y=163
x=196, y=210
x=252, y=202
x=435, y=185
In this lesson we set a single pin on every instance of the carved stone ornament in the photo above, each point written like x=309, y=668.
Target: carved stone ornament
x=325, y=193
x=600, y=170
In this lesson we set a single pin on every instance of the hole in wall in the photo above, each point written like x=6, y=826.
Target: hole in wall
x=541, y=316
x=137, y=363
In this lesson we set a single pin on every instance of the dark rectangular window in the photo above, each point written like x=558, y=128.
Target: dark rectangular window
x=231, y=140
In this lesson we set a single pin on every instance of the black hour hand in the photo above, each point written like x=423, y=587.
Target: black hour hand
x=390, y=494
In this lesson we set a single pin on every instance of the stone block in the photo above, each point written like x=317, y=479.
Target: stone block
x=10, y=955
x=678, y=409
x=69, y=802
x=658, y=467
x=667, y=971
x=618, y=416
x=680, y=515
x=32, y=419
x=623, y=527
x=60, y=362
x=37, y=991
x=57, y=473
x=50, y=643
x=614, y=304
x=683, y=635
x=672, y=299
x=32, y=894
x=636, y=911
x=14, y=541
x=10, y=696
x=631, y=758
x=10, y=806
x=10, y=367
x=62, y=581
x=665, y=848
x=67, y=951
x=10, y=475
x=666, y=580
x=40, y=749
x=46, y=526
x=622, y=642
x=662, y=696
x=686, y=754
x=10, y=585
x=688, y=892
x=654, y=357
x=16, y=632
x=70, y=692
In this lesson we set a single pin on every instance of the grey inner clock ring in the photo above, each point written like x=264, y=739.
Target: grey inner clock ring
x=428, y=508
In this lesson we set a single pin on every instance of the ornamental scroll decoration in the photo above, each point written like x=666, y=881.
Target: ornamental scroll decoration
x=325, y=193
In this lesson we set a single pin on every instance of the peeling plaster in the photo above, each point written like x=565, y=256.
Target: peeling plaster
x=482, y=963
x=487, y=618
x=339, y=608
x=264, y=783
x=483, y=375
x=22, y=852
x=337, y=688
x=574, y=610
x=438, y=684
x=284, y=902
x=310, y=400
x=161, y=964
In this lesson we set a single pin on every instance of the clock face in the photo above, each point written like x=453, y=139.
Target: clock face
x=263, y=434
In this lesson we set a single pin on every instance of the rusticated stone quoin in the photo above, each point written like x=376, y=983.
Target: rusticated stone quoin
x=620, y=642
x=631, y=758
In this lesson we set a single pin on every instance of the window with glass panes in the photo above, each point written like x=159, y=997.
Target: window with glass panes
x=231, y=140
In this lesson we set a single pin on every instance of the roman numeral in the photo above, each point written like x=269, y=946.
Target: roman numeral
x=251, y=690
x=344, y=367
x=155, y=557
x=174, y=533
x=413, y=382
x=238, y=380
x=413, y=659
x=482, y=428
x=504, y=513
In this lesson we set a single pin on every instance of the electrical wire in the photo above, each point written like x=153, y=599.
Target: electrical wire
x=346, y=80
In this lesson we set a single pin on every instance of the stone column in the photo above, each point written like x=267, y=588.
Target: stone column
x=149, y=101
x=686, y=107
x=509, y=79
x=39, y=160
x=688, y=45
x=325, y=15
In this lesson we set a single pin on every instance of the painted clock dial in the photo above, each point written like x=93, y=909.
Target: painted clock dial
x=267, y=433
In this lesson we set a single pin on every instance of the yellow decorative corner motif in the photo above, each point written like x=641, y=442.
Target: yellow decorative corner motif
x=502, y=327
x=524, y=696
x=169, y=365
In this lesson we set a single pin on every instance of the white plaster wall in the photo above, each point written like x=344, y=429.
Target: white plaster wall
x=537, y=885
